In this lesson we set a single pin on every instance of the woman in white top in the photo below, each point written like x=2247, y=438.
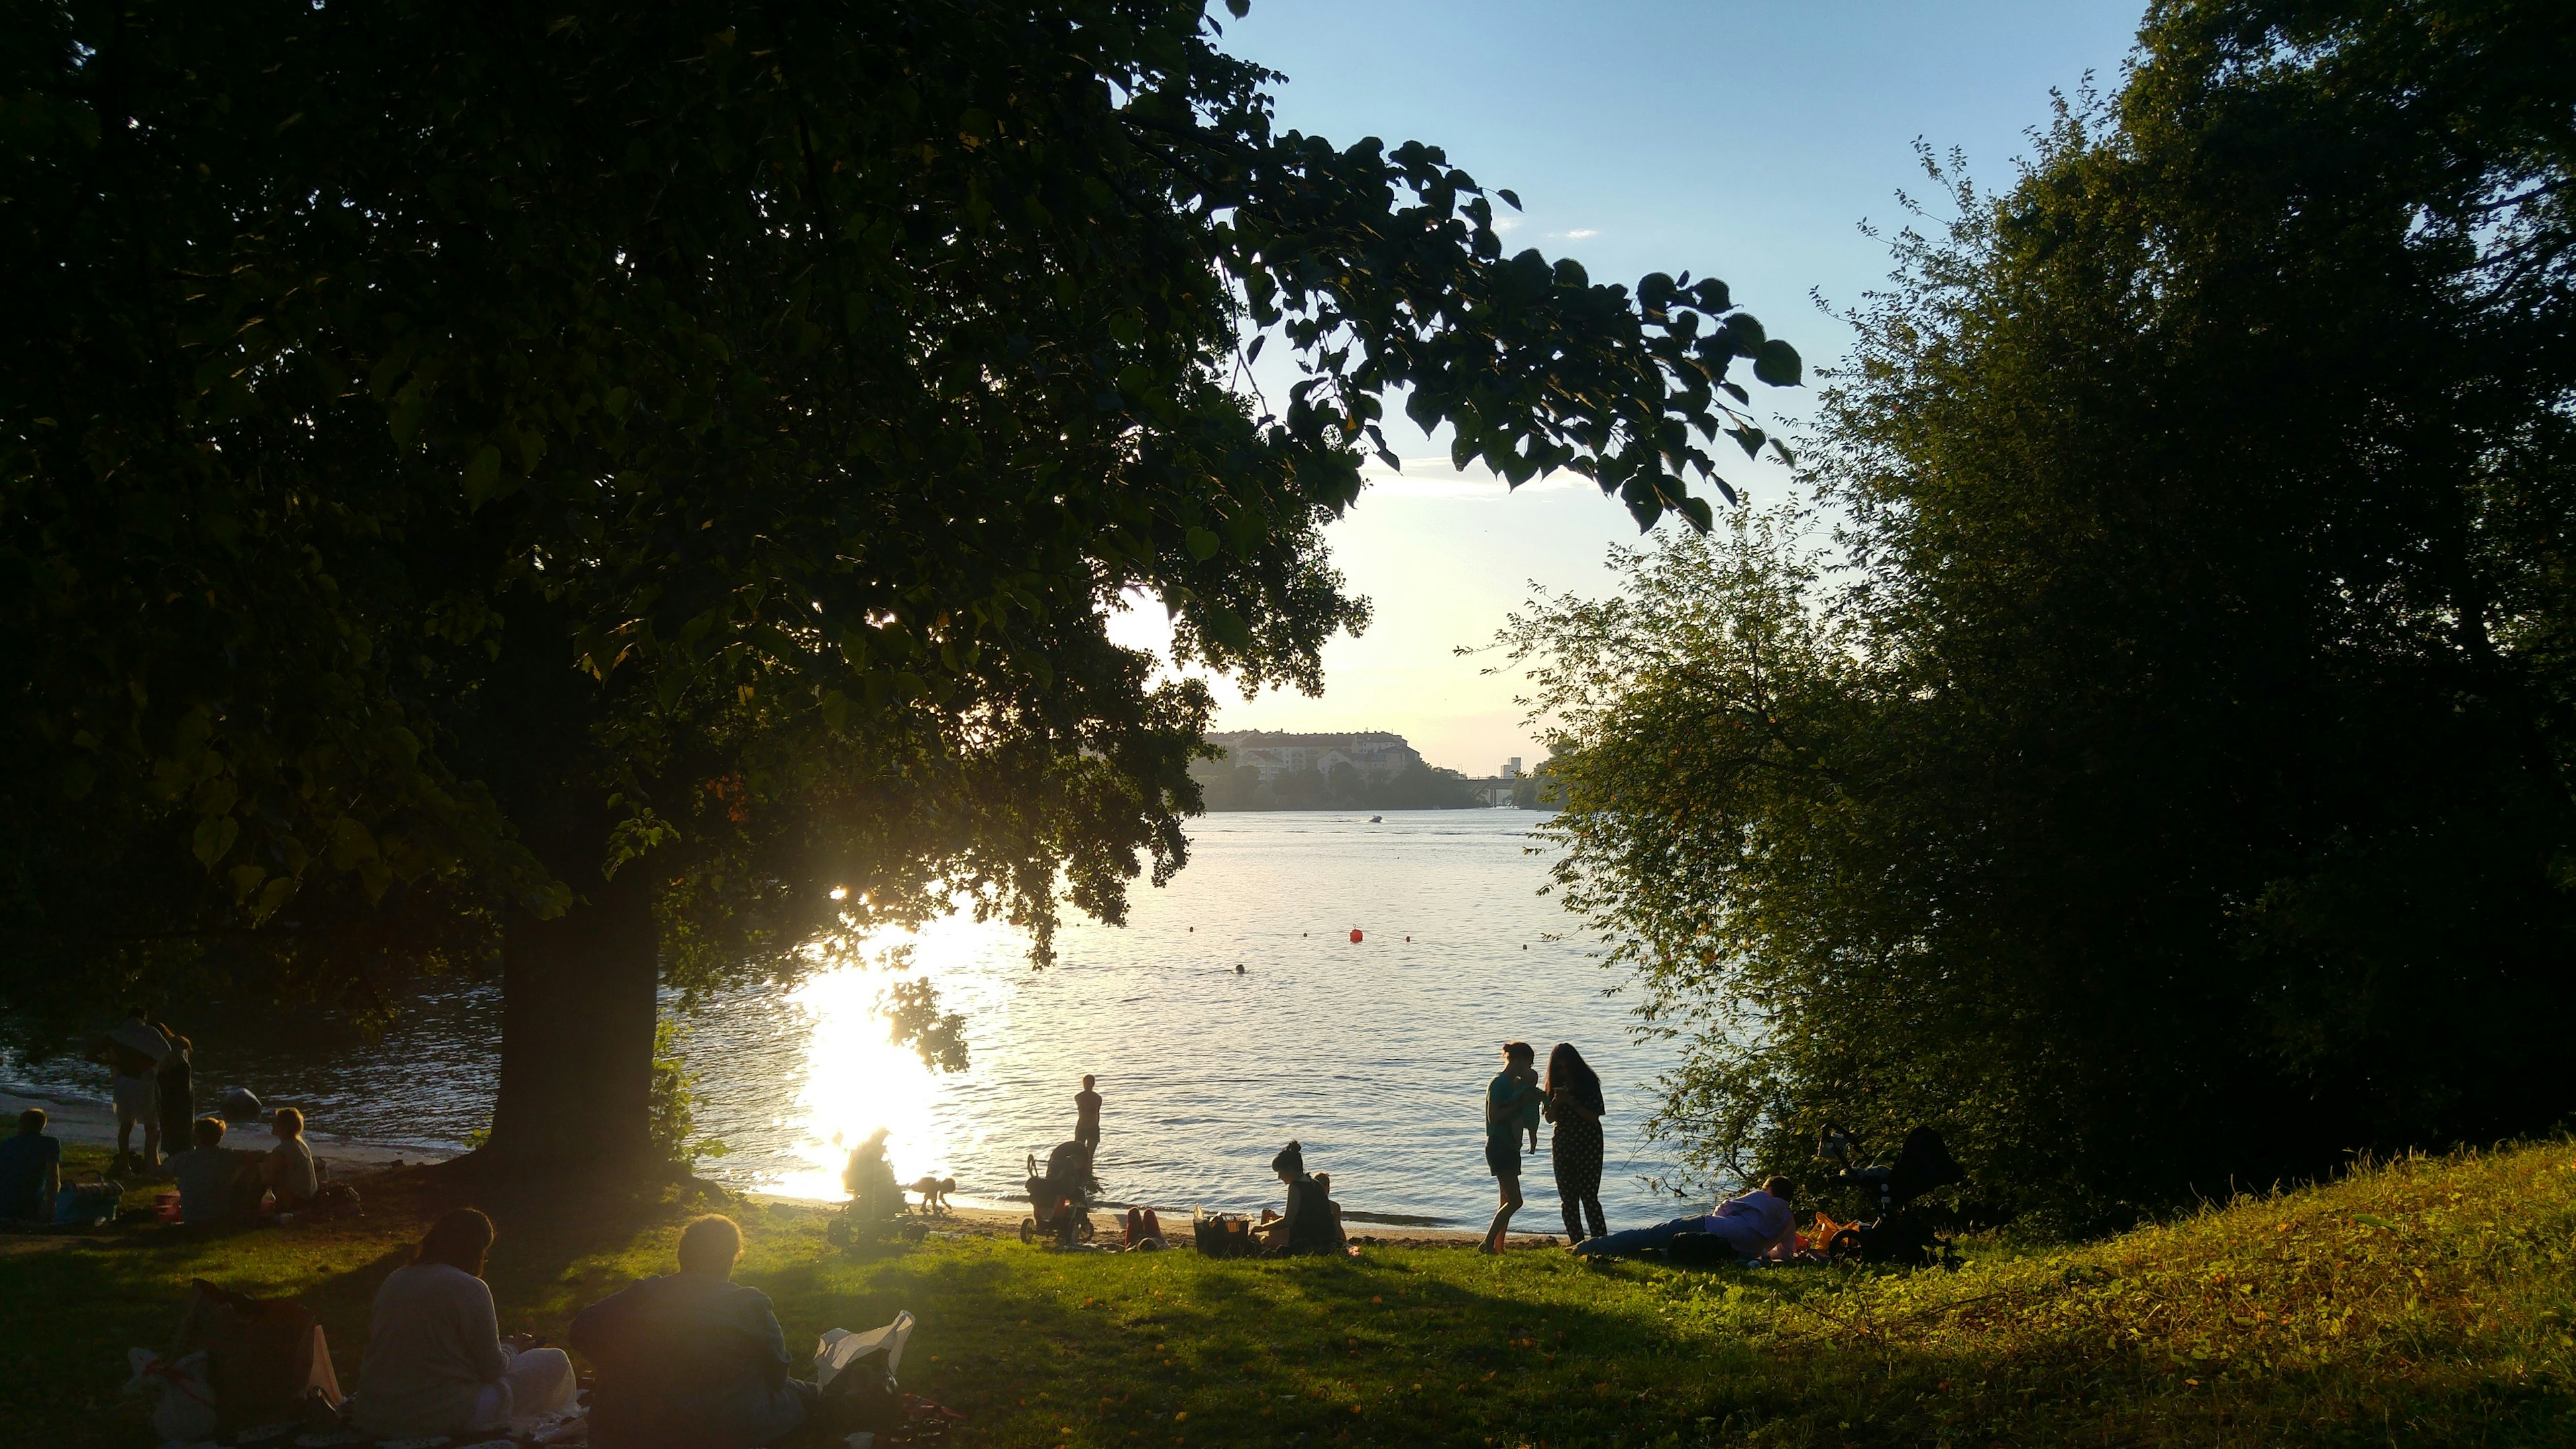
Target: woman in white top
x=435, y=1361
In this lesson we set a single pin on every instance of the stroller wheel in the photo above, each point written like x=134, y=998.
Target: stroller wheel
x=1844, y=1246
x=1082, y=1228
x=1028, y=1230
x=838, y=1232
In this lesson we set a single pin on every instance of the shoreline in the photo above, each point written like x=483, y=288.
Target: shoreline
x=86, y=1122
x=81, y=1121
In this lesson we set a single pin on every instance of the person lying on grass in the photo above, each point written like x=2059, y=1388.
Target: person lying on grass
x=1751, y=1223
x=436, y=1363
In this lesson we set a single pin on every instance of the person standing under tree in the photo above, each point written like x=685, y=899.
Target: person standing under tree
x=133, y=1052
x=174, y=1087
x=1503, y=1098
x=1574, y=1104
x=1086, y=1114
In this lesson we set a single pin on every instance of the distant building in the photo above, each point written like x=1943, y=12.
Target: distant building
x=1373, y=755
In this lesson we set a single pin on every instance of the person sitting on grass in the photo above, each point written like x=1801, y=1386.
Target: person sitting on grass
x=436, y=1363
x=216, y=1183
x=1751, y=1223
x=691, y=1360
x=1309, y=1225
x=287, y=1171
x=31, y=1169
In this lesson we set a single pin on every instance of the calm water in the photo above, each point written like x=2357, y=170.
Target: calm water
x=1373, y=1054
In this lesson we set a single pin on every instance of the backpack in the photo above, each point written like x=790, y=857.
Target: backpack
x=263, y=1357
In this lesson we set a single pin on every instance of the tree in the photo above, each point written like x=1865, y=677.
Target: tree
x=632, y=493
x=2167, y=783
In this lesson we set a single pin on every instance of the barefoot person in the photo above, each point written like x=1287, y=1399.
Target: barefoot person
x=1504, y=1097
x=436, y=1364
x=1574, y=1104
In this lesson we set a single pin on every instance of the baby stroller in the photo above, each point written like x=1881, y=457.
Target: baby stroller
x=1060, y=1197
x=1902, y=1232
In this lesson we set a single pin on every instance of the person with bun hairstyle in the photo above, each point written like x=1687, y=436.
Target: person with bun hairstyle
x=436, y=1363
x=1309, y=1225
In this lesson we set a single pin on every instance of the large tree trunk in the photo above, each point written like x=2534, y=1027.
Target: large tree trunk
x=578, y=1008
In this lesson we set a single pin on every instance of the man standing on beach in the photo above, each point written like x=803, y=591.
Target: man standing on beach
x=134, y=1053
x=1086, y=1115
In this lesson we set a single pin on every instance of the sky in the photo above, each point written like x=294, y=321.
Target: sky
x=1743, y=141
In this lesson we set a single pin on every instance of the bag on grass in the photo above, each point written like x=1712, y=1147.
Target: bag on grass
x=87, y=1204
x=1225, y=1236
x=183, y=1402
x=265, y=1358
x=855, y=1376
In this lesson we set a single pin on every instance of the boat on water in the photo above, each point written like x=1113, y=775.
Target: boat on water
x=1377, y=820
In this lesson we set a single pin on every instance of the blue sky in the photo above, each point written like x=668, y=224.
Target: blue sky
x=1735, y=140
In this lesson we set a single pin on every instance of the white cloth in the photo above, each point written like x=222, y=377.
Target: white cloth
x=538, y=1381
x=433, y=1347
x=138, y=1098
x=1754, y=1222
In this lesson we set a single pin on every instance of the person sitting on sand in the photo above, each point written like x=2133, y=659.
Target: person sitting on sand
x=691, y=1360
x=1751, y=1223
x=30, y=1169
x=1308, y=1225
x=436, y=1363
x=216, y=1183
x=287, y=1171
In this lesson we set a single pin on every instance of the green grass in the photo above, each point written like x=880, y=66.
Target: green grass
x=2425, y=1301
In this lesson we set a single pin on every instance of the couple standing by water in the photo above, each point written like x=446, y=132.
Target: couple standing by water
x=1570, y=1097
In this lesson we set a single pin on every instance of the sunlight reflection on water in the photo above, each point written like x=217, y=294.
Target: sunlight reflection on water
x=1373, y=1054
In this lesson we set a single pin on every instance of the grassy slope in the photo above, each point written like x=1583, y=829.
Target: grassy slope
x=2421, y=1302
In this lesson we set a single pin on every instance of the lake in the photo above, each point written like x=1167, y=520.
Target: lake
x=1373, y=1054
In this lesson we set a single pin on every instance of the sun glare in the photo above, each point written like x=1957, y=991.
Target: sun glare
x=856, y=1080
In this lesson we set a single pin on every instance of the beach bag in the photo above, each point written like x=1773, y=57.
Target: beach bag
x=183, y=1403
x=1226, y=1236
x=854, y=1373
x=264, y=1358
x=87, y=1204
x=1700, y=1250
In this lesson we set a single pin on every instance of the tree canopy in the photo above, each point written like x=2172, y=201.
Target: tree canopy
x=2162, y=782
x=649, y=480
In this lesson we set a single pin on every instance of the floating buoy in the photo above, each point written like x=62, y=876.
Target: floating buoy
x=1408, y=938
x=1355, y=935
x=1524, y=945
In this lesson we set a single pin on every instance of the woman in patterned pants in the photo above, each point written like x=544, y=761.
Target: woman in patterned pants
x=1574, y=1104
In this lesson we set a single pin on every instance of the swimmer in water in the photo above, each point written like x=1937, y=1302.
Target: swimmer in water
x=1238, y=968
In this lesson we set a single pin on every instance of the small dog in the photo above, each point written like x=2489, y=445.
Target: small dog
x=934, y=1193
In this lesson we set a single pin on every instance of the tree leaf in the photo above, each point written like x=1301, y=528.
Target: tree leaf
x=1777, y=364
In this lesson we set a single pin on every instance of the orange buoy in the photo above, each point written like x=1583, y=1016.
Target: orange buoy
x=1355, y=935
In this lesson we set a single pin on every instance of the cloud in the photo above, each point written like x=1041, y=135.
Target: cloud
x=1580, y=232
x=1507, y=223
